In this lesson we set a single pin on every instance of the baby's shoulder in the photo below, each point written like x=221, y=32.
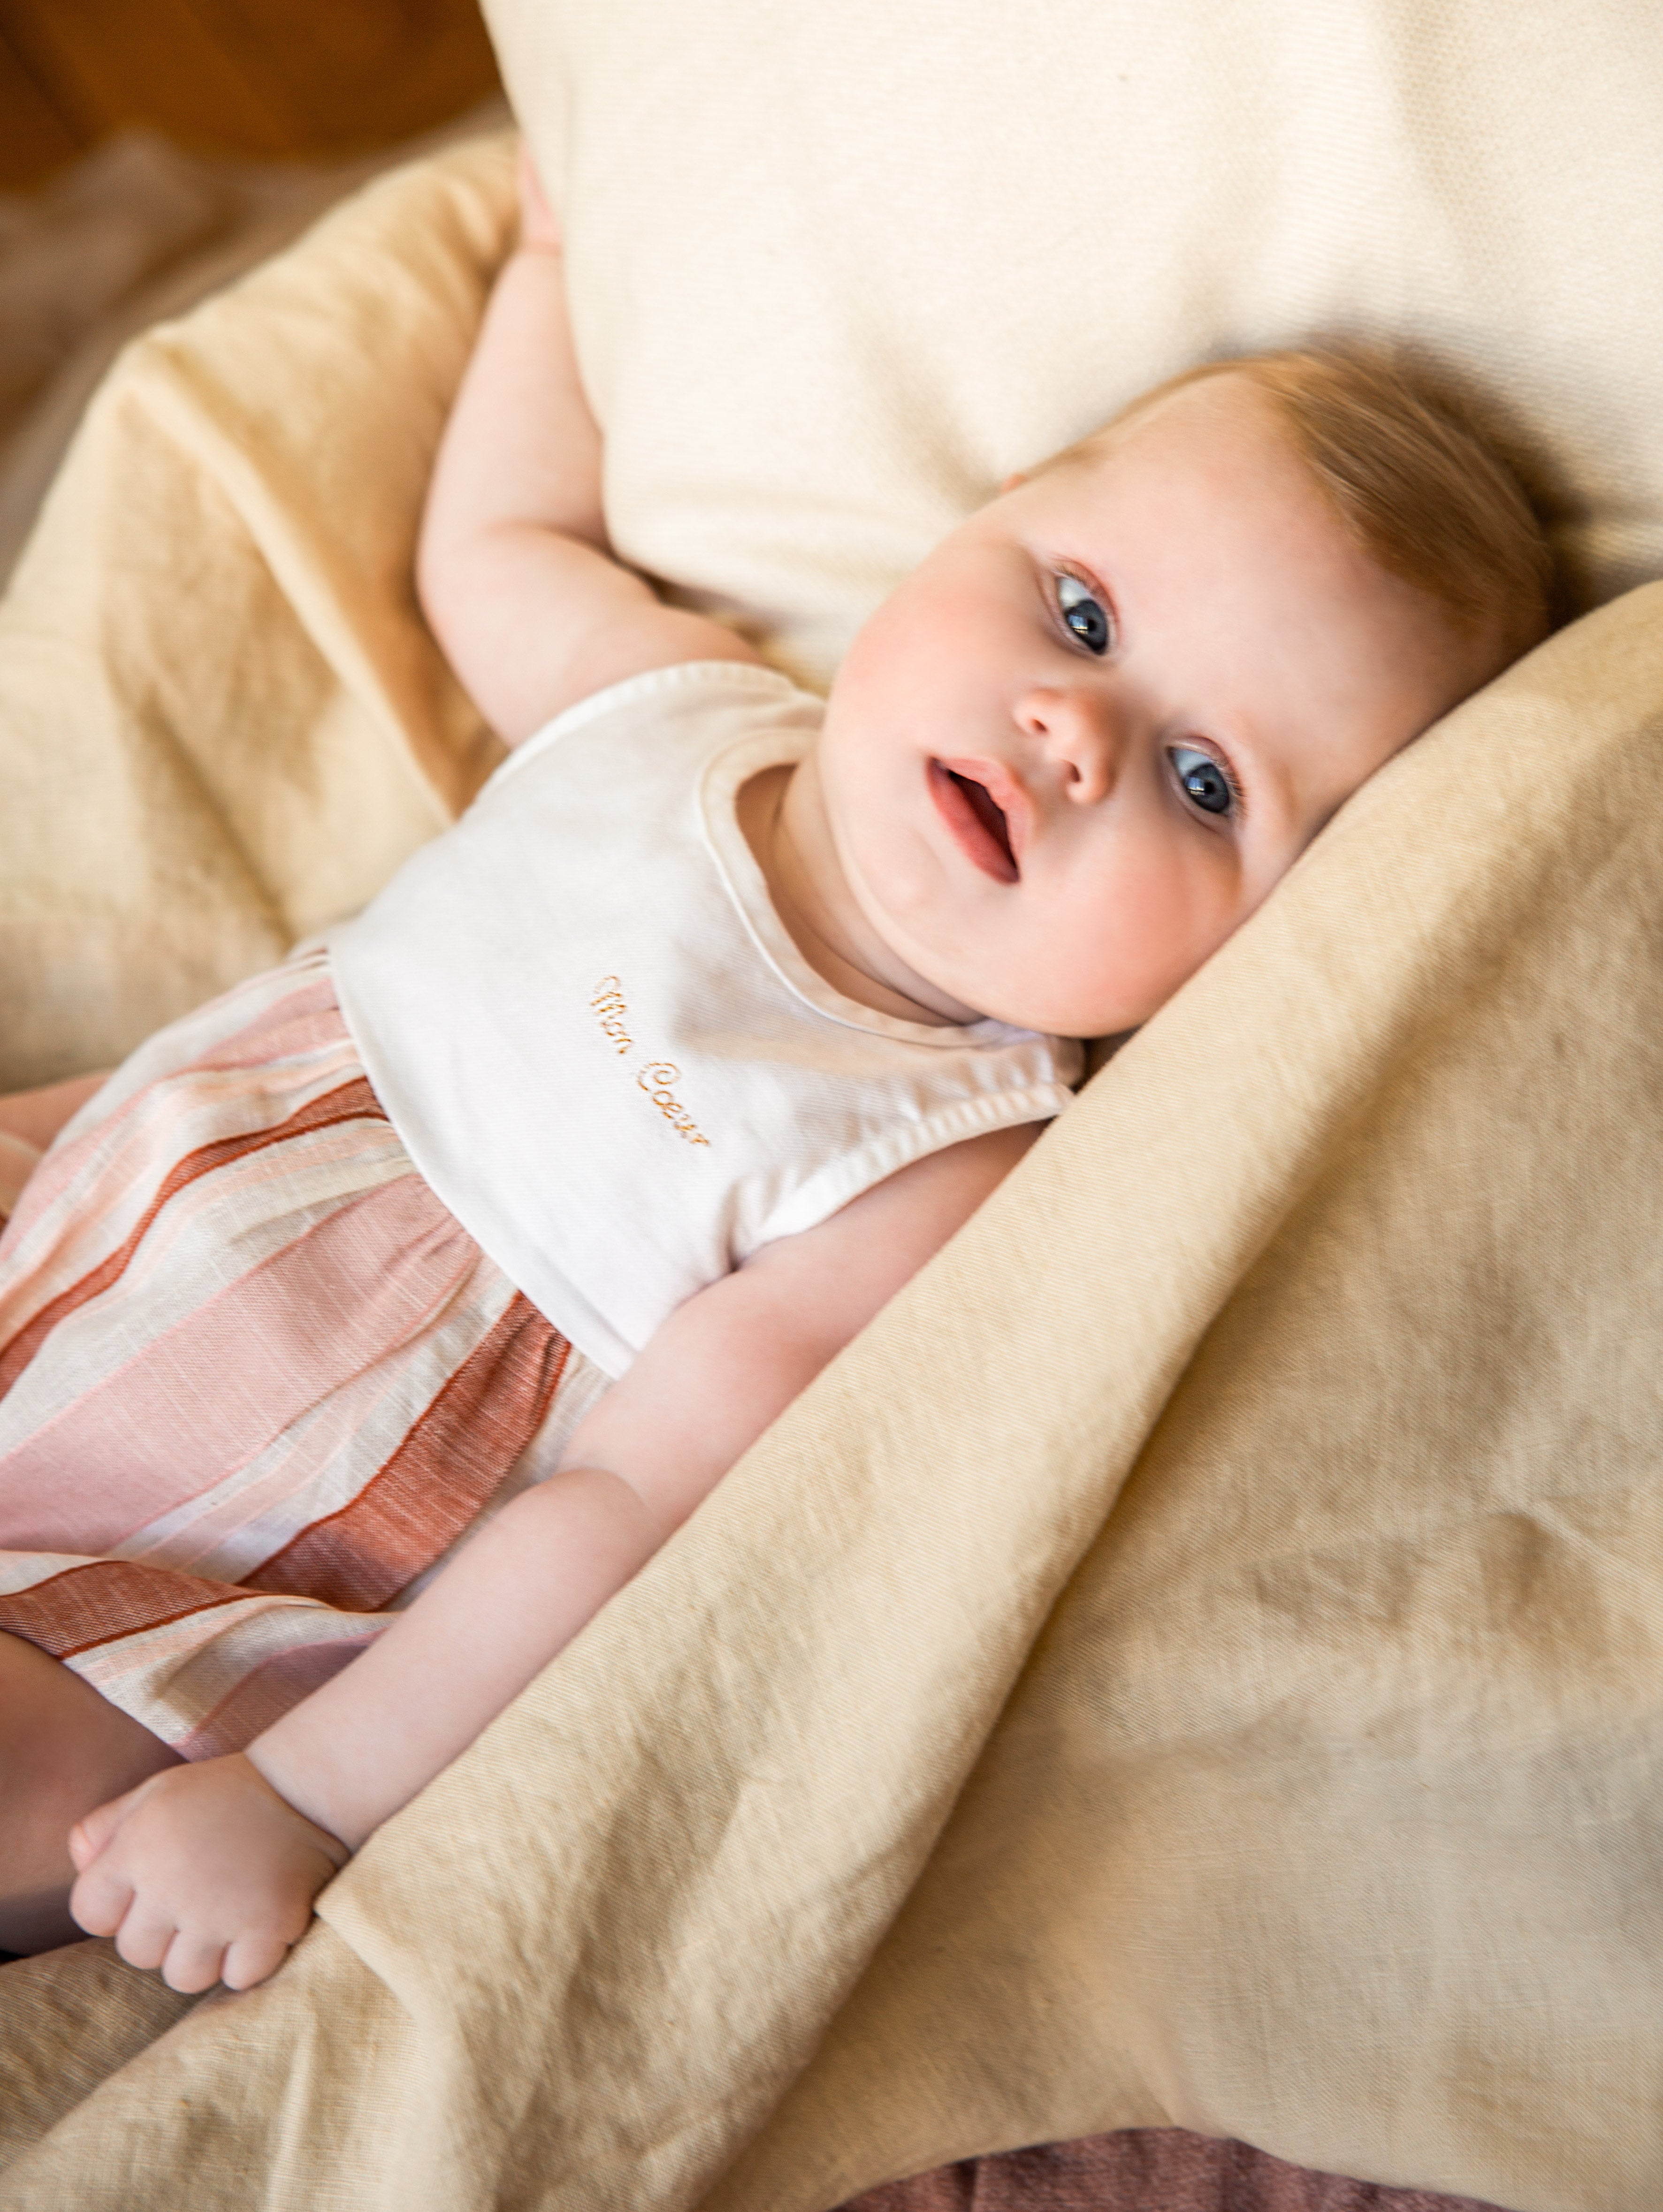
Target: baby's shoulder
x=891, y=1228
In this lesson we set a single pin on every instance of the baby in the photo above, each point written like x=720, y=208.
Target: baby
x=396, y=1308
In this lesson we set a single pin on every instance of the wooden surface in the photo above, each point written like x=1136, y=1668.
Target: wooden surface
x=260, y=77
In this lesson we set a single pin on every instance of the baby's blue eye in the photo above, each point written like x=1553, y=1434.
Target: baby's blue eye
x=1083, y=614
x=1202, y=778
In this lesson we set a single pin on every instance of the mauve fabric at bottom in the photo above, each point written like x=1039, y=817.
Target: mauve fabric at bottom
x=1143, y=2170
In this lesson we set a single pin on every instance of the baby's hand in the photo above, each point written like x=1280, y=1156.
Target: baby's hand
x=539, y=226
x=204, y=1871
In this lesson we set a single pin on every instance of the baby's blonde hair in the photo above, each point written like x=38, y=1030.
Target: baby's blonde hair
x=1422, y=480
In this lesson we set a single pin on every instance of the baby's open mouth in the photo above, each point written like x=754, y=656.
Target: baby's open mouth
x=977, y=821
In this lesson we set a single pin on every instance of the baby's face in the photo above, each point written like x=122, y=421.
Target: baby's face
x=1082, y=742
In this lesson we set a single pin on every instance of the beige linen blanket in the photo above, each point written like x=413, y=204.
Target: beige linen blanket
x=224, y=721
x=137, y=229
x=1196, y=1660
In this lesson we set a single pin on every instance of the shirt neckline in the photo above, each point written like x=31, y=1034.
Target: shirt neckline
x=725, y=774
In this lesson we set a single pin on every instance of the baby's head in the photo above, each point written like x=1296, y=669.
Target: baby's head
x=1082, y=742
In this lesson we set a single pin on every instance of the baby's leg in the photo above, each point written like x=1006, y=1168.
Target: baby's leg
x=36, y=1117
x=18, y=1162
x=29, y=1120
x=64, y=1750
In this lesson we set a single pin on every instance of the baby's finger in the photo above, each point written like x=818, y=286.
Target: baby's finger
x=251, y=1958
x=145, y=1935
x=99, y=1900
x=192, y=1963
x=88, y=1837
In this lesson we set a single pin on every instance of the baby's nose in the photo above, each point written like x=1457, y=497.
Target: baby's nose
x=1078, y=730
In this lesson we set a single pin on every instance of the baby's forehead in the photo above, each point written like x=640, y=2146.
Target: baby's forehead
x=1222, y=434
x=1208, y=459
x=1227, y=406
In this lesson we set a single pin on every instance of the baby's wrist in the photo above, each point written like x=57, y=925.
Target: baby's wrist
x=293, y=1792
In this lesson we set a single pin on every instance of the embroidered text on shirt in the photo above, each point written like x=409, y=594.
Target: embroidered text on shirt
x=607, y=1003
x=655, y=1079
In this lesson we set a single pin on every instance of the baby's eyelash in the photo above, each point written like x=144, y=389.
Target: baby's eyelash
x=1238, y=797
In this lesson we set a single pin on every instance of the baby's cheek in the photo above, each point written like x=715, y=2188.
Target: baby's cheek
x=1127, y=954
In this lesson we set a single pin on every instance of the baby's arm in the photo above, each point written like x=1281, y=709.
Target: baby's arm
x=513, y=567
x=177, y=1871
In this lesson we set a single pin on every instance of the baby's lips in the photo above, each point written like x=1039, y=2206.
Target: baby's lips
x=1008, y=792
x=976, y=825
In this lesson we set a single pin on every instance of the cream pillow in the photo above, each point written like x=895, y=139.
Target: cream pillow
x=836, y=271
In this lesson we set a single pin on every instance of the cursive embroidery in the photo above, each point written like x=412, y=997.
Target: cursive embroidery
x=607, y=1003
x=655, y=1079
x=611, y=1012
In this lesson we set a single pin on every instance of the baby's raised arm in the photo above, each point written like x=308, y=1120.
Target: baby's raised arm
x=513, y=567
x=157, y=1869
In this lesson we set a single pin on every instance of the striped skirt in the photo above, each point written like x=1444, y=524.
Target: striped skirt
x=255, y=1382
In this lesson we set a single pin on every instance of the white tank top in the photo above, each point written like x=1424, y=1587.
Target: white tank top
x=597, y=1041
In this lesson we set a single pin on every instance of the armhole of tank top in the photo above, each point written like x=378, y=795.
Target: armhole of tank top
x=863, y=1168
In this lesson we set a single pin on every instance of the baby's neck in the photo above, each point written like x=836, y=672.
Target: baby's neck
x=785, y=825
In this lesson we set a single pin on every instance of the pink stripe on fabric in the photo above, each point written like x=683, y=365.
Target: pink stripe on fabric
x=304, y=1023
x=209, y=1394
x=352, y=1102
x=318, y=1461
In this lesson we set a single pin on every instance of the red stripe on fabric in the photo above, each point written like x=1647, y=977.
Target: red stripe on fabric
x=450, y=1462
x=104, y=1600
x=351, y=1102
